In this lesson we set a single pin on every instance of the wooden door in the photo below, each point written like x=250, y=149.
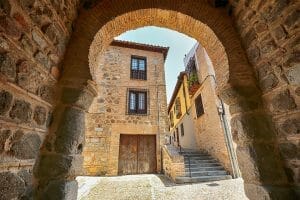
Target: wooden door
x=146, y=154
x=137, y=154
x=128, y=154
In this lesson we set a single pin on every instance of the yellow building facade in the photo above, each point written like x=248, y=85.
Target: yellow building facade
x=179, y=111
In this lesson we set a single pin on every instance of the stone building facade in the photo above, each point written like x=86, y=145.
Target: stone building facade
x=253, y=45
x=109, y=115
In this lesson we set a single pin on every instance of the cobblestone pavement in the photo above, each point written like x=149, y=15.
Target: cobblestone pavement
x=156, y=187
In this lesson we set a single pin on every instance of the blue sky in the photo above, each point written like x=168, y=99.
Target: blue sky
x=179, y=44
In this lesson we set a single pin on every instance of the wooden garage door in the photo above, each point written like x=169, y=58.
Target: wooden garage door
x=137, y=154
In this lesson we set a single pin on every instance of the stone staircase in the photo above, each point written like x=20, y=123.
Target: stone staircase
x=201, y=167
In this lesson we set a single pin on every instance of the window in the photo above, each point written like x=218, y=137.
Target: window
x=137, y=102
x=138, y=68
x=177, y=108
x=182, y=129
x=172, y=118
x=199, y=106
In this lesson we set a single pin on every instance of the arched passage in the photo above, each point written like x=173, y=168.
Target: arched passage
x=214, y=29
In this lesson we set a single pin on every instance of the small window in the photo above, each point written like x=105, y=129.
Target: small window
x=138, y=68
x=178, y=108
x=182, y=129
x=137, y=102
x=199, y=106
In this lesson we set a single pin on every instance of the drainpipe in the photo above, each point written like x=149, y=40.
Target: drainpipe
x=158, y=115
x=228, y=137
x=229, y=143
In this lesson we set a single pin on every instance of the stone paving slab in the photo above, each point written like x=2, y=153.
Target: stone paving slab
x=156, y=187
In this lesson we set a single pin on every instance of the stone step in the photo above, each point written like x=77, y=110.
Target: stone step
x=195, y=155
x=215, y=164
x=198, y=158
x=205, y=173
x=215, y=168
x=200, y=161
x=201, y=179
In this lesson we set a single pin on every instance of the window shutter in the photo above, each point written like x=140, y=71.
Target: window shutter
x=171, y=118
x=178, y=107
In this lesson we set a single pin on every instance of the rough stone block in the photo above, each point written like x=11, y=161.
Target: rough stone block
x=5, y=101
x=253, y=54
x=252, y=127
x=52, y=33
x=46, y=92
x=78, y=97
x=8, y=26
x=8, y=66
x=289, y=150
x=26, y=147
x=39, y=115
x=60, y=189
x=267, y=192
x=290, y=127
x=245, y=105
x=28, y=45
x=21, y=111
x=43, y=59
x=5, y=6
x=269, y=82
x=247, y=164
x=26, y=175
x=292, y=20
x=293, y=75
x=70, y=132
x=260, y=163
x=283, y=101
x=28, y=77
x=27, y=4
x=4, y=135
x=279, y=33
x=39, y=39
x=11, y=186
x=57, y=166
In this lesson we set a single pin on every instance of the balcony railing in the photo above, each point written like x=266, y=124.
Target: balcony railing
x=138, y=74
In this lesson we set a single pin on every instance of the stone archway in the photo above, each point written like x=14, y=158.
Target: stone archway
x=251, y=125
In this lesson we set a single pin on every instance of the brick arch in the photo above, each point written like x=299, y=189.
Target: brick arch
x=162, y=18
x=214, y=29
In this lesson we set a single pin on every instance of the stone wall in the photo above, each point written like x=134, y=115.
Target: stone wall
x=108, y=117
x=33, y=38
x=173, y=162
x=270, y=33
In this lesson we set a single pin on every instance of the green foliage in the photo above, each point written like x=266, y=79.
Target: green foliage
x=192, y=79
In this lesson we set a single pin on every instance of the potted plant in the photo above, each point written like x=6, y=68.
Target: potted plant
x=193, y=83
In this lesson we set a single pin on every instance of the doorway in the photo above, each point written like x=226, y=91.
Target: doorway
x=137, y=154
